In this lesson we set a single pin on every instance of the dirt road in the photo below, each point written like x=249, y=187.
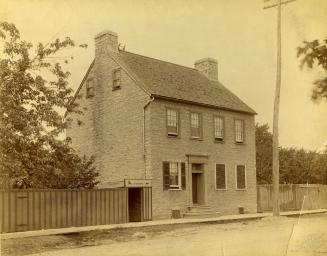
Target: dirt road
x=270, y=236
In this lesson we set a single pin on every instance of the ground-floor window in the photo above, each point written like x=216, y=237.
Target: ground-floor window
x=174, y=175
x=220, y=176
x=240, y=177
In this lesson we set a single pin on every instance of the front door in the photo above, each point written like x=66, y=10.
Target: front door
x=198, y=183
x=195, y=188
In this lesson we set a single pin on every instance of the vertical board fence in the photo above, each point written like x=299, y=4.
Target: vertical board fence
x=146, y=204
x=36, y=209
x=293, y=197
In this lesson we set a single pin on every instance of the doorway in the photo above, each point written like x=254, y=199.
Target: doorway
x=197, y=184
x=135, y=204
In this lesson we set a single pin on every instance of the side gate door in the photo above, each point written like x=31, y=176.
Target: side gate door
x=146, y=203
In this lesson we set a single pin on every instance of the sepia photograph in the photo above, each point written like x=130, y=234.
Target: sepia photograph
x=151, y=127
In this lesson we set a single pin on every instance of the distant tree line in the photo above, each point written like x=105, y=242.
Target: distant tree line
x=297, y=166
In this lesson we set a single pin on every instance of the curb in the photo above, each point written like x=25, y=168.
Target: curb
x=217, y=220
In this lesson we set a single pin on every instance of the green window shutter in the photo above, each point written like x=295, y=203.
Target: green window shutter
x=240, y=176
x=220, y=176
x=165, y=171
x=183, y=176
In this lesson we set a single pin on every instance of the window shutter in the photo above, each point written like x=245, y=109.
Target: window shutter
x=165, y=171
x=241, y=177
x=220, y=176
x=183, y=176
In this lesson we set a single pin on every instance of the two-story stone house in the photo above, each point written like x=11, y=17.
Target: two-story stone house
x=177, y=126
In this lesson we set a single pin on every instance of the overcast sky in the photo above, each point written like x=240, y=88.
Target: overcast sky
x=239, y=34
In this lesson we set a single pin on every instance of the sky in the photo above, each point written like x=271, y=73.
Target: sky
x=239, y=34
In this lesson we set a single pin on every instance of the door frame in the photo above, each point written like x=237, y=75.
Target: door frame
x=197, y=159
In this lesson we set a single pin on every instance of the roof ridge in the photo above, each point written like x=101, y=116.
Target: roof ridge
x=159, y=60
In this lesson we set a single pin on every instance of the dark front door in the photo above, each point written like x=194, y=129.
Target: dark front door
x=195, y=188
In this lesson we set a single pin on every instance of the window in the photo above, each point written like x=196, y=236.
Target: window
x=219, y=128
x=174, y=175
x=89, y=88
x=196, y=130
x=220, y=176
x=240, y=177
x=239, y=131
x=172, y=122
x=116, y=79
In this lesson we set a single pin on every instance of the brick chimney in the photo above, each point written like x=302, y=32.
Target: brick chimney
x=106, y=40
x=208, y=67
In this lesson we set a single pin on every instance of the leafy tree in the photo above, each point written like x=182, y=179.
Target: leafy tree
x=263, y=142
x=34, y=92
x=297, y=166
x=315, y=53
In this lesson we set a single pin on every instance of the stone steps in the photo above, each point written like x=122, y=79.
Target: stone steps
x=201, y=211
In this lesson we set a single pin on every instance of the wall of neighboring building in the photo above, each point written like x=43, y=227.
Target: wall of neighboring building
x=113, y=125
x=163, y=148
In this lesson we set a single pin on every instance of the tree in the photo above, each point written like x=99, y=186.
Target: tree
x=314, y=53
x=263, y=142
x=34, y=92
x=297, y=166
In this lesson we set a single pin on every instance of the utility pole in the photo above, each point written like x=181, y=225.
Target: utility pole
x=276, y=209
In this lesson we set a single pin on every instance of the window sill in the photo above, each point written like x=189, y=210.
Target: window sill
x=219, y=141
x=196, y=138
x=172, y=136
x=239, y=143
x=116, y=88
x=221, y=189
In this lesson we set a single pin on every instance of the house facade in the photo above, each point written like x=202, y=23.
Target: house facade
x=177, y=127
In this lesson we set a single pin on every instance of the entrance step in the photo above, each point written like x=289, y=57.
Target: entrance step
x=198, y=208
x=201, y=211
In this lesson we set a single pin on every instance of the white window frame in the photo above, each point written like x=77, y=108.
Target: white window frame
x=169, y=133
x=245, y=180
x=223, y=128
x=179, y=171
x=242, y=131
x=225, y=176
x=199, y=119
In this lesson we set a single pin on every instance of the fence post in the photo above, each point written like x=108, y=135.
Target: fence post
x=258, y=200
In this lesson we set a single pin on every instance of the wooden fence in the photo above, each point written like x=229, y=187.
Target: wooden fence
x=293, y=197
x=23, y=210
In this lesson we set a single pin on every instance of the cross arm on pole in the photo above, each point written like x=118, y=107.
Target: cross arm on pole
x=274, y=5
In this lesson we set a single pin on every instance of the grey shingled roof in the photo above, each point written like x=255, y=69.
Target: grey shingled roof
x=172, y=81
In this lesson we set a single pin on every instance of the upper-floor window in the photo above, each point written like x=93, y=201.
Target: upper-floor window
x=196, y=129
x=219, y=128
x=116, y=79
x=240, y=177
x=172, y=122
x=89, y=88
x=239, y=131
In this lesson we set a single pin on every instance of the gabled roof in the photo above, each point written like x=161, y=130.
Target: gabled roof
x=171, y=81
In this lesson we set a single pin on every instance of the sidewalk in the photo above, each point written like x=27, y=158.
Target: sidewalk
x=221, y=219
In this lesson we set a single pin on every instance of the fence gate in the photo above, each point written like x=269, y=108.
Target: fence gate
x=139, y=199
x=147, y=203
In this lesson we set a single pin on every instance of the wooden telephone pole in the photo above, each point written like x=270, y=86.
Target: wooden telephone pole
x=279, y=4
